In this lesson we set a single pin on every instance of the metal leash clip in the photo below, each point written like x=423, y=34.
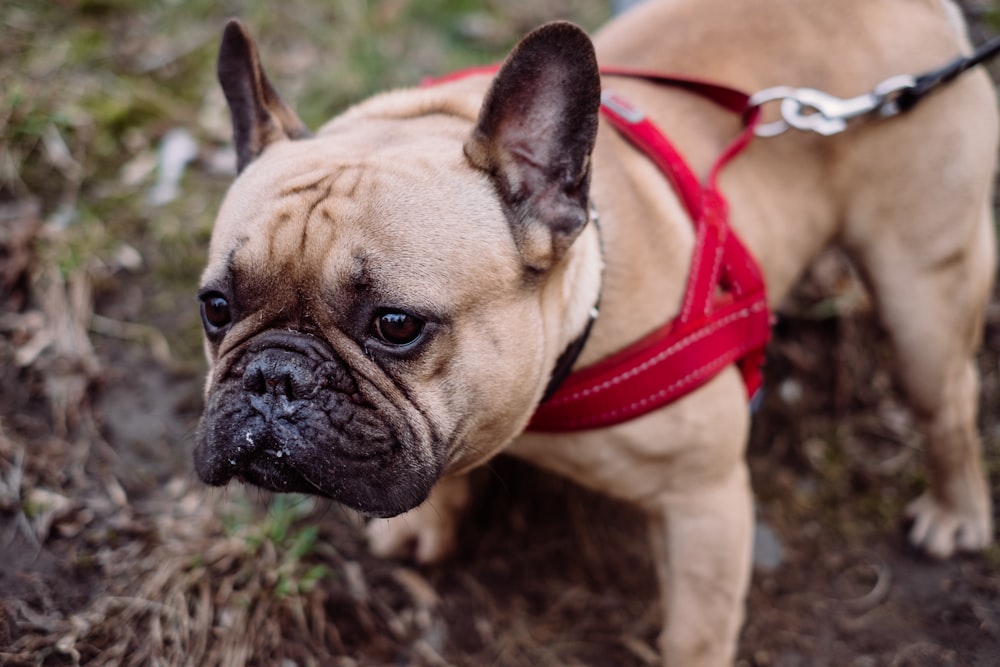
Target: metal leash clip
x=813, y=110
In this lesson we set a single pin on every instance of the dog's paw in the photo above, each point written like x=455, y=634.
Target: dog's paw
x=941, y=531
x=427, y=533
x=423, y=539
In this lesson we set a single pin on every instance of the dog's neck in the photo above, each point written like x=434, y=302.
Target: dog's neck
x=571, y=353
x=577, y=283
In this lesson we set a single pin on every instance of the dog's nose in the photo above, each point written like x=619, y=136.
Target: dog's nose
x=281, y=373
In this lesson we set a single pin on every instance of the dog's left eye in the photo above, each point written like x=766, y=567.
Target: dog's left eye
x=397, y=328
x=215, y=311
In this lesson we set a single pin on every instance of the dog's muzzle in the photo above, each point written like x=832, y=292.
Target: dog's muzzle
x=289, y=416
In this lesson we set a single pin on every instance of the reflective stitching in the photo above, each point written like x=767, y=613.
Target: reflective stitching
x=716, y=266
x=693, y=337
x=689, y=295
x=637, y=406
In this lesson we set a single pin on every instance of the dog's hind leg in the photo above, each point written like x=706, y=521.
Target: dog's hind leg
x=934, y=316
x=927, y=249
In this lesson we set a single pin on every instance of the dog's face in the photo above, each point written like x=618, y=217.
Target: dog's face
x=384, y=302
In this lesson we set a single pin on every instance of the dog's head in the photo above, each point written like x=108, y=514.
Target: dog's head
x=384, y=301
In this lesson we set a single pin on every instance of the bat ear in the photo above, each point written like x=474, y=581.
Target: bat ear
x=260, y=117
x=534, y=136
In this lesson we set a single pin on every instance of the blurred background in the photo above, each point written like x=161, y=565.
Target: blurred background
x=114, y=155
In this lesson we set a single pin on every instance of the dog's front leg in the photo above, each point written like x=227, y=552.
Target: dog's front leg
x=685, y=467
x=702, y=543
x=427, y=532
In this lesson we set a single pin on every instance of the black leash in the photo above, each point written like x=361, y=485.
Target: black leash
x=927, y=82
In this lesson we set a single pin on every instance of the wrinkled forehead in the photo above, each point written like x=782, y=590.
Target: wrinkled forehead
x=395, y=210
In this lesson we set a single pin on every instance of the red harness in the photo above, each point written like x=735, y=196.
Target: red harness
x=724, y=317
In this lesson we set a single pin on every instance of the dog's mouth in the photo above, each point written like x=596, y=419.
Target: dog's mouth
x=290, y=417
x=364, y=484
x=276, y=471
x=270, y=471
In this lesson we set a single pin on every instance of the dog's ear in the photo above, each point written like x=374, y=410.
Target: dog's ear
x=534, y=137
x=259, y=116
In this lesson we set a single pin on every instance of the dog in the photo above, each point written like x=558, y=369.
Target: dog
x=385, y=301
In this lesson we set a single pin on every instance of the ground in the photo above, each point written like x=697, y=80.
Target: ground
x=112, y=553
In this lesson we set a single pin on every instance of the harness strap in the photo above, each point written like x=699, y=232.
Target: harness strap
x=724, y=317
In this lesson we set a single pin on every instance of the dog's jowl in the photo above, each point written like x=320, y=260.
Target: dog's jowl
x=387, y=300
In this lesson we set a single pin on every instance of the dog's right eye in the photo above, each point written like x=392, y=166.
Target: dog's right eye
x=397, y=328
x=215, y=311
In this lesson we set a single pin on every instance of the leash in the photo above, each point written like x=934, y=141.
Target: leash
x=813, y=110
x=933, y=79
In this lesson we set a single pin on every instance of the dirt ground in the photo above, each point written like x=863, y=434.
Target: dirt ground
x=111, y=552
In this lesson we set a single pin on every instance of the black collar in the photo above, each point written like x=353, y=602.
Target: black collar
x=566, y=360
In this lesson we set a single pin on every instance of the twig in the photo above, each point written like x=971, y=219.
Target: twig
x=134, y=332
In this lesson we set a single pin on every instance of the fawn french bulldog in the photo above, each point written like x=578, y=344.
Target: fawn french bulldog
x=385, y=300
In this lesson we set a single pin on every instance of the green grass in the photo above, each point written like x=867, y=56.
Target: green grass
x=284, y=532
